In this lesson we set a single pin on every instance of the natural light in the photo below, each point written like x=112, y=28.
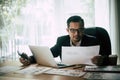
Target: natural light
x=40, y=22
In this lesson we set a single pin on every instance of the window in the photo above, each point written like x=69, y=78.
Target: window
x=40, y=22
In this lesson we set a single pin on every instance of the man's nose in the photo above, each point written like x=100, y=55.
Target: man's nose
x=77, y=32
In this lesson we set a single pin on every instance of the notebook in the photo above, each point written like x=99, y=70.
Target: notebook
x=79, y=55
x=113, y=69
x=44, y=57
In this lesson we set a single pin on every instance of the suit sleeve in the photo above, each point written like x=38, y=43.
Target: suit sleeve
x=32, y=59
x=56, y=49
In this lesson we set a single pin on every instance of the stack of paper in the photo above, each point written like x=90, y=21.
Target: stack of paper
x=35, y=70
x=64, y=72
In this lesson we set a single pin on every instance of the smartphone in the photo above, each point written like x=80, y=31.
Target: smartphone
x=23, y=55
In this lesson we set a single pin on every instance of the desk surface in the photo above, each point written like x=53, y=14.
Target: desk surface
x=90, y=75
x=16, y=76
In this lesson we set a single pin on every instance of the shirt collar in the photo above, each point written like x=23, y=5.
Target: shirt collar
x=78, y=44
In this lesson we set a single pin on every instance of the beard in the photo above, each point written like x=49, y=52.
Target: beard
x=76, y=39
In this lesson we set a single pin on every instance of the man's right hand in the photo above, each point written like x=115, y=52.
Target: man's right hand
x=97, y=60
x=25, y=62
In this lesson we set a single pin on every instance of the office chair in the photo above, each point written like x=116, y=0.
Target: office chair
x=104, y=40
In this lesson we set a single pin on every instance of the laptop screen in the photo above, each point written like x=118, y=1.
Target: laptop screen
x=43, y=56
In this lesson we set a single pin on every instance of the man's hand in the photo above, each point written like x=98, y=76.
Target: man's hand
x=25, y=62
x=97, y=60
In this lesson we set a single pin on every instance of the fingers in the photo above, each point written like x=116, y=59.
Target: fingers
x=25, y=62
x=94, y=60
x=97, y=60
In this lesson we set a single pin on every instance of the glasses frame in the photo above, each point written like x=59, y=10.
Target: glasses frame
x=80, y=30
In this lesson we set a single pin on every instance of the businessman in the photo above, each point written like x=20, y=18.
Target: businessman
x=75, y=37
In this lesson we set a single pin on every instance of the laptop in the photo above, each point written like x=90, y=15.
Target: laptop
x=79, y=55
x=44, y=57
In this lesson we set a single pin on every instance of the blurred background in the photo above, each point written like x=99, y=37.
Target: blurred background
x=40, y=22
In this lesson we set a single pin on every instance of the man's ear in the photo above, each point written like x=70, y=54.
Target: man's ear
x=67, y=29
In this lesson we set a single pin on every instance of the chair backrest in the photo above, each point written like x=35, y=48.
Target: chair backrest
x=103, y=38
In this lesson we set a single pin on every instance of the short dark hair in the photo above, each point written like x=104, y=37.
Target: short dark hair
x=75, y=19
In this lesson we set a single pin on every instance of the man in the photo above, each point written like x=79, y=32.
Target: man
x=75, y=37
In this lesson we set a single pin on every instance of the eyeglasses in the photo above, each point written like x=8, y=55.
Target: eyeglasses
x=76, y=30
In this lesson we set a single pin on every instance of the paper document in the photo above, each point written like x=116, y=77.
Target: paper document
x=79, y=55
x=34, y=70
x=64, y=72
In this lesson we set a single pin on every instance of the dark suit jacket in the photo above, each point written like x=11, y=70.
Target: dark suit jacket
x=87, y=40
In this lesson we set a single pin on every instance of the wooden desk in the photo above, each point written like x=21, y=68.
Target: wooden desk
x=16, y=76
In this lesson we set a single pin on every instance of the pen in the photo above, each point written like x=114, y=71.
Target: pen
x=81, y=66
x=67, y=66
x=77, y=67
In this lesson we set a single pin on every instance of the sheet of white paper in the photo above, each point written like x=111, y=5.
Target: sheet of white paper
x=79, y=55
x=65, y=72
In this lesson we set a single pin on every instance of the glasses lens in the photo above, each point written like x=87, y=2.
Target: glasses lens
x=76, y=30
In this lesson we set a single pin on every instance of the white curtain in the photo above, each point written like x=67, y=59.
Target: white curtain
x=43, y=21
x=115, y=29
